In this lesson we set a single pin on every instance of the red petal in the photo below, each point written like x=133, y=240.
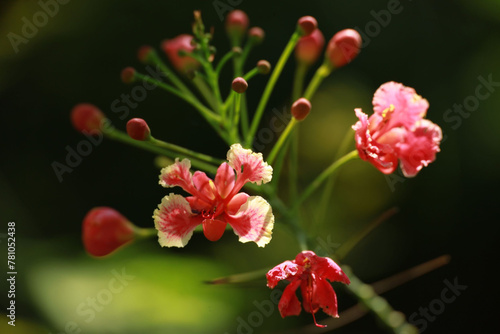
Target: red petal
x=289, y=303
x=213, y=229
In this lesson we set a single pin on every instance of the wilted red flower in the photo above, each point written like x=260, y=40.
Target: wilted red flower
x=311, y=273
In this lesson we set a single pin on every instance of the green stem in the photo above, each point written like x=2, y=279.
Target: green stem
x=205, y=91
x=321, y=73
x=224, y=61
x=270, y=86
x=281, y=141
x=326, y=173
x=236, y=118
x=187, y=152
x=124, y=138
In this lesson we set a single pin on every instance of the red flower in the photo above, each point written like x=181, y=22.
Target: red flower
x=104, y=230
x=311, y=273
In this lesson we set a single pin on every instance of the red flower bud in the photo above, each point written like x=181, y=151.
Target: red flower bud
x=307, y=25
x=128, y=75
x=239, y=85
x=104, y=230
x=256, y=34
x=138, y=129
x=309, y=48
x=87, y=118
x=343, y=47
x=237, y=23
x=183, y=44
x=301, y=108
x=144, y=52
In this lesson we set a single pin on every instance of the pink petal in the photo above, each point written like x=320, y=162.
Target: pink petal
x=236, y=202
x=204, y=185
x=254, y=221
x=224, y=179
x=399, y=104
x=249, y=166
x=174, y=221
x=177, y=174
x=289, y=303
x=420, y=147
x=283, y=271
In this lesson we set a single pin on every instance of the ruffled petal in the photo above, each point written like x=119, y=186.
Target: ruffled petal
x=224, y=180
x=177, y=174
x=399, y=105
x=289, y=303
x=283, y=271
x=174, y=221
x=249, y=166
x=420, y=147
x=254, y=221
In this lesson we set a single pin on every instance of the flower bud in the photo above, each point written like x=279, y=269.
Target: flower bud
x=138, y=129
x=180, y=44
x=237, y=23
x=343, y=47
x=309, y=48
x=263, y=66
x=104, y=230
x=144, y=53
x=87, y=118
x=307, y=24
x=256, y=34
x=239, y=85
x=301, y=108
x=128, y=75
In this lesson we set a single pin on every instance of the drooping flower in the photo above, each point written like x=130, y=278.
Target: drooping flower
x=104, y=230
x=397, y=131
x=215, y=203
x=311, y=273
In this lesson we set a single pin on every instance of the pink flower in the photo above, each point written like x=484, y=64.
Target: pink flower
x=397, y=131
x=215, y=203
x=311, y=273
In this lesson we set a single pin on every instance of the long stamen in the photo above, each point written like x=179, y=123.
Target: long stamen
x=311, y=290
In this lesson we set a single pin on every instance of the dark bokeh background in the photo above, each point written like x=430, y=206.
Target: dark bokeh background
x=442, y=49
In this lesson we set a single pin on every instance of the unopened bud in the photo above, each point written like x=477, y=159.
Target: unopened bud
x=239, y=85
x=307, y=25
x=256, y=34
x=237, y=23
x=343, y=47
x=263, y=66
x=87, y=118
x=144, y=53
x=104, y=230
x=138, y=129
x=301, y=108
x=128, y=75
x=309, y=48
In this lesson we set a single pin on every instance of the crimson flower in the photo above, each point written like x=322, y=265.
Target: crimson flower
x=311, y=273
x=397, y=130
x=214, y=204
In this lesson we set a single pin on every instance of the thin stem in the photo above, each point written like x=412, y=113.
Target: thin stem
x=321, y=73
x=224, y=61
x=281, y=141
x=270, y=86
x=326, y=173
x=124, y=138
x=186, y=152
x=205, y=91
x=236, y=118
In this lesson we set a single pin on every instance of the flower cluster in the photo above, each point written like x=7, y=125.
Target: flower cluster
x=397, y=130
x=238, y=192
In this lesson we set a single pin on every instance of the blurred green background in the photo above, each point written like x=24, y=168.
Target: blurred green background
x=444, y=49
